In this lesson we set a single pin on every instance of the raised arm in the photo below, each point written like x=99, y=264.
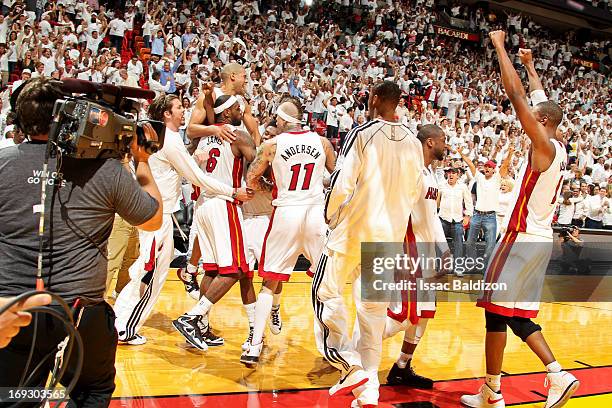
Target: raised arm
x=251, y=124
x=503, y=169
x=542, y=146
x=467, y=161
x=527, y=60
x=197, y=129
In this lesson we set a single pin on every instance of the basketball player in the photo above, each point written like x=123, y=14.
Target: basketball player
x=219, y=225
x=168, y=166
x=424, y=234
x=233, y=80
x=372, y=194
x=298, y=159
x=527, y=223
x=256, y=213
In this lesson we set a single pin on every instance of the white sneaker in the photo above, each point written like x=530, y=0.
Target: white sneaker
x=247, y=343
x=486, y=398
x=355, y=377
x=135, y=340
x=276, y=324
x=250, y=357
x=562, y=386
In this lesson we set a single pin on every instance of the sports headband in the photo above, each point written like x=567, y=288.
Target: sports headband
x=286, y=117
x=225, y=105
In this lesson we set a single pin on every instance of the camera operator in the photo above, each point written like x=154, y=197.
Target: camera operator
x=82, y=198
x=148, y=274
x=571, y=247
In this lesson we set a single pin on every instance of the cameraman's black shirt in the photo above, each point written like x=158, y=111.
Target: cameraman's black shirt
x=82, y=199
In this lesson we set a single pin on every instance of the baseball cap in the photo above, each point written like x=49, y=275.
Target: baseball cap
x=490, y=163
x=26, y=71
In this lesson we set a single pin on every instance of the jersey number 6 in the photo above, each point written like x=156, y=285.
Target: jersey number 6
x=211, y=163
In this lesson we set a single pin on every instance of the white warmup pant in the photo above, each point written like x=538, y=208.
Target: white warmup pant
x=156, y=251
x=193, y=233
x=331, y=319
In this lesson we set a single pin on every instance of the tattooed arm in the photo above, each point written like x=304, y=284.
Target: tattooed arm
x=263, y=159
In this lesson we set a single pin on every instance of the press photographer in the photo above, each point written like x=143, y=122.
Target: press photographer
x=82, y=197
x=571, y=247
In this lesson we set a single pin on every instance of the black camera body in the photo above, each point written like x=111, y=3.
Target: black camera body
x=566, y=232
x=102, y=122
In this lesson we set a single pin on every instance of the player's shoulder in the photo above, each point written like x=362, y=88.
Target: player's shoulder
x=269, y=145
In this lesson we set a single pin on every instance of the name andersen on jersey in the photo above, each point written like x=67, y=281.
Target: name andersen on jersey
x=300, y=148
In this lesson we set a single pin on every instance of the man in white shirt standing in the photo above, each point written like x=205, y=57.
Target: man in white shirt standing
x=488, y=185
x=117, y=28
x=332, y=117
x=452, y=198
x=134, y=67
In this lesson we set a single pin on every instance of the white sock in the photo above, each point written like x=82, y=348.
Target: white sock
x=263, y=306
x=494, y=382
x=201, y=308
x=192, y=269
x=403, y=360
x=553, y=367
x=250, y=312
x=276, y=300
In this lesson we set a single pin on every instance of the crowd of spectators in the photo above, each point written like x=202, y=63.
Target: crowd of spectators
x=327, y=54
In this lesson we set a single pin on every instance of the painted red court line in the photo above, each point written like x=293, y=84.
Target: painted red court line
x=517, y=390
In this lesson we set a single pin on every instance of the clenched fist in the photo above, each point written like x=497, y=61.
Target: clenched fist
x=526, y=56
x=497, y=37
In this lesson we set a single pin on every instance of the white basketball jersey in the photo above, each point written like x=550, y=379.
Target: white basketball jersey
x=298, y=169
x=425, y=212
x=425, y=227
x=534, y=198
x=222, y=164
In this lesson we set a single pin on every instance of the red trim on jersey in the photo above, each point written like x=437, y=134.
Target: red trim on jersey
x=237, y=245
x=518, y=220
x=275, y=188
x=210, y=267
x=150, y=265
x=507, y=311
x=195, y=193
x=230, y=270
x=298, y=132
x=237, y=172
x=283, y=277
x=498, y=261
x=243, y=259
x=410, y=248
x=410, y=243
x=265, y=241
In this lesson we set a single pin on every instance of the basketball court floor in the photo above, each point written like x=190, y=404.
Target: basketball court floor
x=165, y=372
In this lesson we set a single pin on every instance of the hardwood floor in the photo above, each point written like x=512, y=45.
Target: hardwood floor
x=452, y=349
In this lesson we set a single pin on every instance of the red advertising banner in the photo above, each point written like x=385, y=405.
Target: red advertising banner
x=586, y=63
x=453, y=32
